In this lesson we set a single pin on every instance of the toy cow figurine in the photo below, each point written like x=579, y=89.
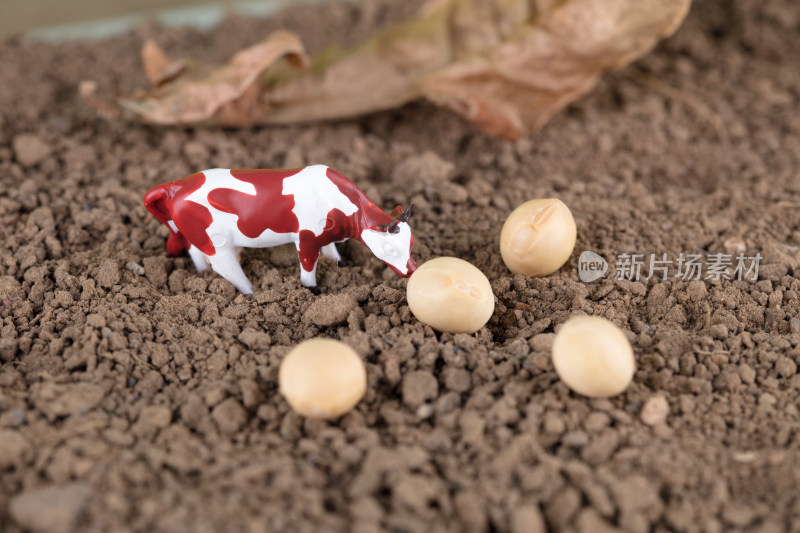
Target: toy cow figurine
x=215, y=213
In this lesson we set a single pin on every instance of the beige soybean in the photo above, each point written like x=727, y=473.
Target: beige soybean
x=538, y=237
x=322, y=378
x=593, y=357
x=450, y=295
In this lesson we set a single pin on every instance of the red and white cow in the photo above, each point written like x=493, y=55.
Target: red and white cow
x=215, y=213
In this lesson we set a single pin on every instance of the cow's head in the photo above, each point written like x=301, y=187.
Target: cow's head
x=391, y=243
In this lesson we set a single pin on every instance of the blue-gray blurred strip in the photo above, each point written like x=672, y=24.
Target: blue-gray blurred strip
x=203, y=16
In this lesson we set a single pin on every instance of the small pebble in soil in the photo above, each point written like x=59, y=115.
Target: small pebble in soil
x=30, y=149
x=450, y=295
x=51, y=508
x=655, y=410
x=593, y=357
x=538, y=237
x=322, y=378
x=135, y=267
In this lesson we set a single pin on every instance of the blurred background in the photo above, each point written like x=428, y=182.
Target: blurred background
x=75, y=19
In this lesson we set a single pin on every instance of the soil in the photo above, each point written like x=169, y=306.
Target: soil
x=139, y=395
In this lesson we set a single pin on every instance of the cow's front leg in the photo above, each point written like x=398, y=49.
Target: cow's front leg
x=199, y=259
x=308, y=278
x=329, y=250
x=308, y=253
x=225, y=263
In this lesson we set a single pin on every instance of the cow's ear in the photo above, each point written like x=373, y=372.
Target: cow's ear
x=397, y=211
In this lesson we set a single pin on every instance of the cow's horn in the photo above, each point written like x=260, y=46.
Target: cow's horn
x=407, y=213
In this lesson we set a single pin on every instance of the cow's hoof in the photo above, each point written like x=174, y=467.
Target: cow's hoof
x=345, y=262
x=314, y=290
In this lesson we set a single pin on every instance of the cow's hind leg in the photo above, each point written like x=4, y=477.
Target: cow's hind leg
x=225, y=263
x=198, y=258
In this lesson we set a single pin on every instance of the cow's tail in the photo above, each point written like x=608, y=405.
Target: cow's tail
x=155, y=202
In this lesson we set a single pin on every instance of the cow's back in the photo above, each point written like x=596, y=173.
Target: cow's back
x=256, y=197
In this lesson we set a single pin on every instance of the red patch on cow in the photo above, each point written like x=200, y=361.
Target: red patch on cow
x=175, y=245
x=338, y=227
x=269, y=208
x=168, y=202
x=191, y=218
x=368, y=215
x=308, y=251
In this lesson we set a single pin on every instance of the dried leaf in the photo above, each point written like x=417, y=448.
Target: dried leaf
x=228, y=96
x=520, y=84
x=158, y=67
x=507, y=65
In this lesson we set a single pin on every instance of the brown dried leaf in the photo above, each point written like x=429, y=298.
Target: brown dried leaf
x=383, y=73
x=551, y=61
x=158, y=67
x=507, y=65
x=228, y=96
